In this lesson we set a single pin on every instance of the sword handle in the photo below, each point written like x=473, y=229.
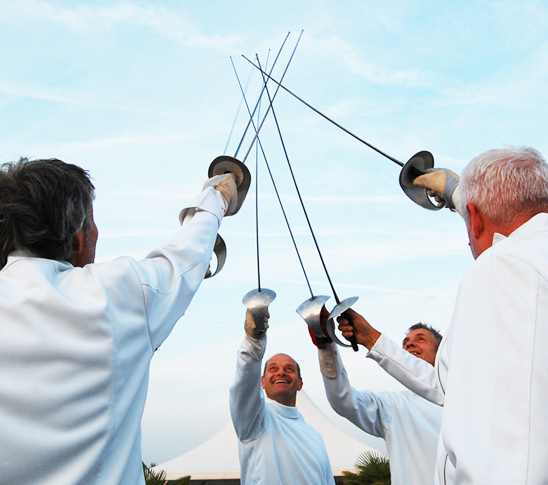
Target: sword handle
x=352, y=339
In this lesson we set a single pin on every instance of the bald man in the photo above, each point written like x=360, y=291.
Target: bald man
x=276, y=445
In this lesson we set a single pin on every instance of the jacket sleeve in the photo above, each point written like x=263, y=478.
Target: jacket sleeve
x=365, y=409
x=414, y=373
x=247, y=404
x=171, y=274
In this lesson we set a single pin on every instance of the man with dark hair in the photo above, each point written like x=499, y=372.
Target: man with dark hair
x=418, y=342
x=43, y=204
x=492, y=368
x=409, y=424
x=276, y=445
x=438, y=337
x=77, y=337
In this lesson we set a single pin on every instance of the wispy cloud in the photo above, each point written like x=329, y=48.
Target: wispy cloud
x=509, y=87
x=129, y=140
x=45, y=93
x=352, y=58
x=85, y=18
x=73, y=97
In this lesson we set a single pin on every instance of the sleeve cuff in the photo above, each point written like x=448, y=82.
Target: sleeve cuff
x=209, y=200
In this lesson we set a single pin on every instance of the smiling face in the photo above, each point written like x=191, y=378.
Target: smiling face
x=421, y=344
x=282, y=380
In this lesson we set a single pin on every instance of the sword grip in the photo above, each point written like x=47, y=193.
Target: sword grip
x=352, y=339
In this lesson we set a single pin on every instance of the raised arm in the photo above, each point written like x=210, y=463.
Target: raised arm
x=365, y=409
x=247, y=404
x=415, y=374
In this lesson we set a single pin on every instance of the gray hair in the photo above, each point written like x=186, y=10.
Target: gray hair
x=43, y=204
x=506, y=183
x=424, y=326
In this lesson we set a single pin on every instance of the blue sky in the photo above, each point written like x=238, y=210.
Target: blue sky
x=144, y=96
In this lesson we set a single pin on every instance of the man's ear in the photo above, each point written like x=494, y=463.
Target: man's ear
x=300, y=384
x=476, y=220
x=262, y=382
x=78, y=242
x=79, y=249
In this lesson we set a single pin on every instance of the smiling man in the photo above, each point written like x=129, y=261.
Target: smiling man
x=422, y=341
x=409, y=424
x=277, y=446
x=282, y=379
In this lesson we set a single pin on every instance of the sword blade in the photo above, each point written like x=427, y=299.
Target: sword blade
x=325, y=116
x=273, y=96
x=260, y=95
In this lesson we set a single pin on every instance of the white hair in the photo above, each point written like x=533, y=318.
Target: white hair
x=506, y=183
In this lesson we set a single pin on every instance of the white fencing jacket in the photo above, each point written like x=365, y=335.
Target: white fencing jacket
x=493, y=368
x=75, y=348
x=409, y=424
x=277, y=446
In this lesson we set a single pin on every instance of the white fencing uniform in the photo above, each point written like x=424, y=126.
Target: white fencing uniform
x=277, y=446
x=75, y=349
x=494, y=366
x=409, y=424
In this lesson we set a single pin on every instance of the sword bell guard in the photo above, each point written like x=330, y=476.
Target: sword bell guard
x=227, y=164
x=219, y=249
x=417, y=165
x=337, y=312
x=311, y=310
x=257, y=302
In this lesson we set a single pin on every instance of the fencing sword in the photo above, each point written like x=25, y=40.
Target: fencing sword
x=273, y=96
x=257, y=104
x=226, y=164
x=258, y=300
x=279, y=201
x=313, y=310
x=417, y=165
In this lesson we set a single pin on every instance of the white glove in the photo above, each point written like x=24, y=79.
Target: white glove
x=441, y=183
x=253, y=329
x=226, y=185
x=330, y=361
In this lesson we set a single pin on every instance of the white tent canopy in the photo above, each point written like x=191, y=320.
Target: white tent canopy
x=217, y=458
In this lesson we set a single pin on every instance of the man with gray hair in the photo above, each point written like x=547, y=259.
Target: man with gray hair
x=492, y=368
x=77, y=337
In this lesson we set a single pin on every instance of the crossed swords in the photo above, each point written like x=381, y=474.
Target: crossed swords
x=320, y=321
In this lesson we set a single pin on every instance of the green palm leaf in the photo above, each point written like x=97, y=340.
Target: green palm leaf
x=159, y=478
x=373, y=469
